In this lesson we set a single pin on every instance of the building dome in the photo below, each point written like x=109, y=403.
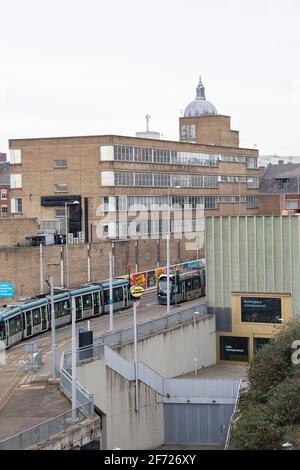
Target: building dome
x=200, y=106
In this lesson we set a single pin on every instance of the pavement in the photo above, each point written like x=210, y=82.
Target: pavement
x=220, y=371
x=31, y=405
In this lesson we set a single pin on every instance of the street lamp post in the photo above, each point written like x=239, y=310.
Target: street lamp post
x=168, y=257
x=74, y=371
x=53, y=335
x=111, y=307
x=168, y=251
x=74, y=203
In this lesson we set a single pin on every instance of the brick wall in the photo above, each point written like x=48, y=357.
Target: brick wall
x=13, y=231
x=22, y=265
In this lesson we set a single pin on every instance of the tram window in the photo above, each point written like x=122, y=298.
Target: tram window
x=87, y=302
x=14, y=325
x=61, y=308
x=96, y=298
x=196, y=283
x=118, y=294
x=188, y=285
x=66, y=307
x=2, y=331
x=36, y=315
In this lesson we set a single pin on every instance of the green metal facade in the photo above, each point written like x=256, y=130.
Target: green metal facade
x=258, y=254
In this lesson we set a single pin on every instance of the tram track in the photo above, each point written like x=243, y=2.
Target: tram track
x=148, y=309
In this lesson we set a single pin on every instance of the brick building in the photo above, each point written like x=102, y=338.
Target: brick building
x=206, y=167
x=279, y=192
x=4, y=187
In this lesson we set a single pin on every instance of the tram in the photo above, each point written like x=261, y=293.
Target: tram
x=24, y=320
x=185, y=285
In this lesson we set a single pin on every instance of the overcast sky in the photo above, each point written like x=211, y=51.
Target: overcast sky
x=70, y=67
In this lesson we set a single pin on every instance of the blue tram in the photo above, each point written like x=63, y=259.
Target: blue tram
x=29, y=318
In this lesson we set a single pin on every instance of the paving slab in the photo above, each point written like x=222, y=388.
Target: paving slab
x=30, y=405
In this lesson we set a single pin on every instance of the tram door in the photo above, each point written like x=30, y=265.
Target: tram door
x=44, y=318
x=28, y=319
x=78, y=301
x=183, y=290
x=96, y=297
x=125, y=296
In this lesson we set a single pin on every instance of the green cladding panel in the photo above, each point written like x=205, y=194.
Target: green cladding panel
x=252, y=254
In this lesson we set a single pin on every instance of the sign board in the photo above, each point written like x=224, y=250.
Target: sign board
x=137, y=291
x=7, y=290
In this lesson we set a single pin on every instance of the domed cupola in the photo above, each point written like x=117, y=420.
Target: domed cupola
x=200, y=106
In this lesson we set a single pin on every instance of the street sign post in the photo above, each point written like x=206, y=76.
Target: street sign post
x=136, y=292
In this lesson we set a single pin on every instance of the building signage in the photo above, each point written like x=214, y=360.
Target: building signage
x=7, y=290
x=261, y=309
x=234, y=348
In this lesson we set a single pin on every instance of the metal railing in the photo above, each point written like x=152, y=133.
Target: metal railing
x=83, y=397
x=124, y=335
x=35, y=363
x=44, y=431
x=233, y=416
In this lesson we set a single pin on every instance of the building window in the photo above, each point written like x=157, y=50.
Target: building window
x=234, y=348
x=292, y=204
x=144, y=179
x=143, y=155
x=188, y=131
x=60, y=164
x=161, y=156
x=252, y=202
x=123, y=153
x=15, y=156
x=211, y=202
x=123, y=178
x=281, y=183
x=259, y=342
x=3, y=212
x=60, y=188
x=162, y=179
x=60, y=212
x=251, y=162
x=16, y=181
x=260, y=310
x=16, y=205
x=252, y=183
x=4, y=195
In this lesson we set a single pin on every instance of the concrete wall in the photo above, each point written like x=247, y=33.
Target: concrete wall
x=171, y=352
x=13, y=231
x=114, y=396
